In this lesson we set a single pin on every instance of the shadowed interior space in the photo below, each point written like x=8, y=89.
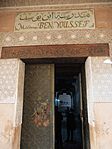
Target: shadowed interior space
x=69, y=133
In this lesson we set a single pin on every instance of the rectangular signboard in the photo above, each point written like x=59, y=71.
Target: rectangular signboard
x=55, y=20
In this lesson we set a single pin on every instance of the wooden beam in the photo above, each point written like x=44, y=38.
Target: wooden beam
x=55, y=51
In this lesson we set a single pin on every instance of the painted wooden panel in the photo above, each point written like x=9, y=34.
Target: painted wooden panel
x=37, y=128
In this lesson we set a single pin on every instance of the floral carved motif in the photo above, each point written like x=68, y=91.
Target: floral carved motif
x=41, y=114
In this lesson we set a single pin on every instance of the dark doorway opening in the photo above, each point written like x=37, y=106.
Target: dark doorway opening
x=69, y=133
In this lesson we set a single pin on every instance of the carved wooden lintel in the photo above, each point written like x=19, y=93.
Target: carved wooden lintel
x=55, y=51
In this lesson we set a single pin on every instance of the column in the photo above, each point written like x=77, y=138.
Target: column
x=11, y=102
x=99, y=102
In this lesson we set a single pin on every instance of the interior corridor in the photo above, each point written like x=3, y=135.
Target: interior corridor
x=68, y=124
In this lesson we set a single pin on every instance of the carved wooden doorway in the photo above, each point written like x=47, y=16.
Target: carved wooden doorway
x=38, y=127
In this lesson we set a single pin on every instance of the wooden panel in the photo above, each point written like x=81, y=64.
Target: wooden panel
x=55, y=51
x=37, y=128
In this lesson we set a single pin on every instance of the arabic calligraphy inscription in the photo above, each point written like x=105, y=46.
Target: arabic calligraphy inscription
x=74, y=19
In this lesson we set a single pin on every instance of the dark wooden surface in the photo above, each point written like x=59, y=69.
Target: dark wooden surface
x=55, y=51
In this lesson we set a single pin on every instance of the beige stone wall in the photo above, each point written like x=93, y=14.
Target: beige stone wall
x=101, y=34
x=9, y=3
x=103, y=17
x=99, y=100
x=11, y=99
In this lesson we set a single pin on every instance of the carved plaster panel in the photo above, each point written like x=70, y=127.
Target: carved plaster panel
x=56, y=37
x=8, y=80
x=100, y=80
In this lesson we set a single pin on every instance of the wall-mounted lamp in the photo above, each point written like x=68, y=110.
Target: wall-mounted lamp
x=108, y=61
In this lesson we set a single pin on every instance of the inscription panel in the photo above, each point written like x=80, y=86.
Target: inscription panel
x=50, y=20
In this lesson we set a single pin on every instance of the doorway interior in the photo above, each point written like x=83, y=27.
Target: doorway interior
x=70, y=99
x=69, y=93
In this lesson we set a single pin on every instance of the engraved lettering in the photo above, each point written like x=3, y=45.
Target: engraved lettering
x=74, y=19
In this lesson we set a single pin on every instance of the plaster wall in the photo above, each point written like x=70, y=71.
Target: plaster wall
x=10, y=3
x=103, y=17
x=101, y=34
x=11, y=99
x=99, y=100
